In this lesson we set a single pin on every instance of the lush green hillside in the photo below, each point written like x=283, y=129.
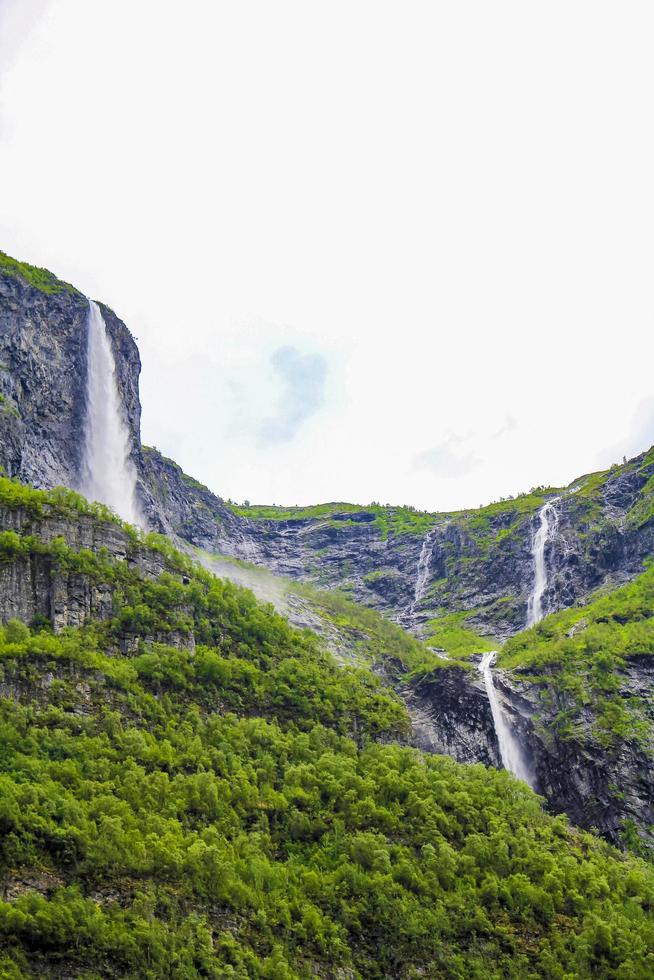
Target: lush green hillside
x=582, y=652
x=41, y=279
x=479, y=523
x=239, y=806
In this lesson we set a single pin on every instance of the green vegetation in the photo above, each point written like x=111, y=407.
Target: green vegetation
x=501, y=519
x=374, y=639
x=389, y=520
x=381, y=575
x=41, y=279
x=228, y=806
x=643, y=509
x=450, y=633
x=583, y=652
x=271, y=512
x=61, y=500
x=180, y=834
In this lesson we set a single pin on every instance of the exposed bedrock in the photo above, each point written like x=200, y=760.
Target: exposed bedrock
x=599, y=783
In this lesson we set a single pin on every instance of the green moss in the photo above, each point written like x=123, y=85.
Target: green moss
x=40, y=279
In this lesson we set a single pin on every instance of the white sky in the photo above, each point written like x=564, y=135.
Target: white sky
x=393, y=251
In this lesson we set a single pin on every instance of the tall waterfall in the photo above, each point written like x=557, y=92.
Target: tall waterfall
x=108, y=474
x=510, y=749
x=549, y=520
x=422, y=571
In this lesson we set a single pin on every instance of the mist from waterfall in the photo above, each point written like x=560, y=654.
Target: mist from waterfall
x=510, y=750
x=549, y=520
x=108, y=473
x=422, y=570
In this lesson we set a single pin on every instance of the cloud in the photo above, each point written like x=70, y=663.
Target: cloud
x=510, y=424
x=640, y=438
x=18, y=19
x=303, y=393
x=444, y=461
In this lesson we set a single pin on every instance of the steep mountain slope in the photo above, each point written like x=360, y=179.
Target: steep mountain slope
x=475, y=562
x=191, y=788
x=462, y=581
x=415, y=567
x=578, y=690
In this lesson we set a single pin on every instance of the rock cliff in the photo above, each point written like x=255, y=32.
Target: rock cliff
x=479, y=564
x=604, y=787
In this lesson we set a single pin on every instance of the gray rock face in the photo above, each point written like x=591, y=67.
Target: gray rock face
x=42, y=378
x=36, y=585
x=488, y=573
x=479, y=562
x=43, y=345
x=599, y=787
x=451, y=715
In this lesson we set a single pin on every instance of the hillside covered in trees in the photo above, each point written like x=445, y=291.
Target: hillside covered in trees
x=192, y=788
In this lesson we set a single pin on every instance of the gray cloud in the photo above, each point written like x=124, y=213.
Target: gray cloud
x=303, y=378
x=445, y=462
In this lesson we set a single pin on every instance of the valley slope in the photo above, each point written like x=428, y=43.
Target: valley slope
x=192, y=788
x=474, y=570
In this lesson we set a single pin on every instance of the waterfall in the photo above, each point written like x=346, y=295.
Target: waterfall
x=108, y=473
x=422, y=571
x=548, y=523
x=510, y=749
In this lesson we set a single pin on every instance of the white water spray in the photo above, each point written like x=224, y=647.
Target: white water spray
x=549, y=520
x=510, y=749
x=422, y=572
x=108, y=474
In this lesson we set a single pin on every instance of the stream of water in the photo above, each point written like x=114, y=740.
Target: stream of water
x=108, y=473
x=422, y=570
x=510, y=749
x=548, y=523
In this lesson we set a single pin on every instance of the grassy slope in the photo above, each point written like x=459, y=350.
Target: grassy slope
x=41, y=279
x=479, y=522
x=368, y=637
x=583, y=652
x=231, y=812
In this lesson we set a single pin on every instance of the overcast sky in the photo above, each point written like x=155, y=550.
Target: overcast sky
x=393, y=251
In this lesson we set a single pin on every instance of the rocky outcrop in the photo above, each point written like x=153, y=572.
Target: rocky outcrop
x=451, y=715
x=43, y=343
x=38, y=585
x=177, y=505
x=479, y=562
x=42, y=376
x=600, y=783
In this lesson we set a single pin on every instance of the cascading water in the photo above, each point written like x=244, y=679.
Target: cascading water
x=548, y=522
x=108, y=474
x=510, y=749
x=422, y=573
